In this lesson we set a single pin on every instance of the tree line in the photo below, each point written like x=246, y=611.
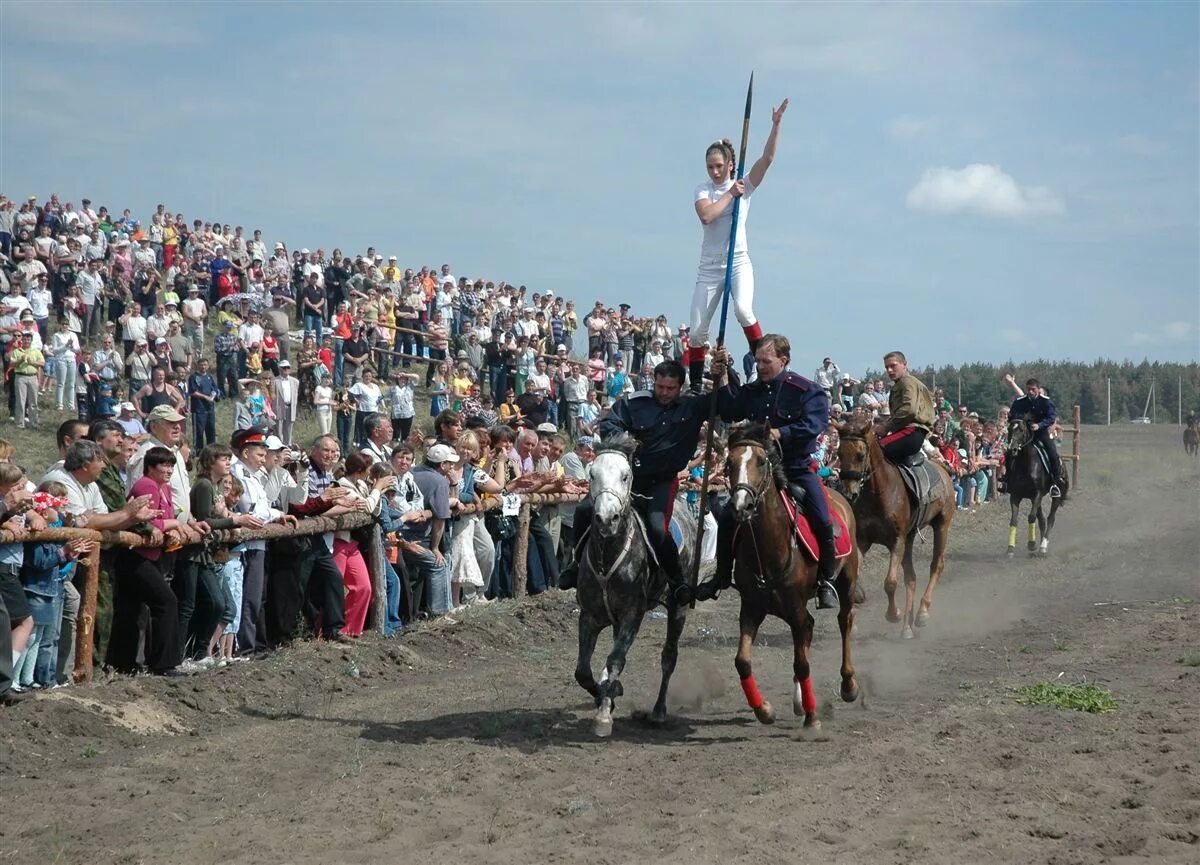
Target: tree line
x=981, y=386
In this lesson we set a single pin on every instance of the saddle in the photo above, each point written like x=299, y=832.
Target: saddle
x=921, y=478
x=806, y=538
x=1045, y=458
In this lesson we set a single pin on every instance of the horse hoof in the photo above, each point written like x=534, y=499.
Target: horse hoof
x=907, y=633
x=922, y=618
x=892, y=616
x=812, y=723
x=849, y=691
x=603, y=727
x=1011, y=552
x=765, y=714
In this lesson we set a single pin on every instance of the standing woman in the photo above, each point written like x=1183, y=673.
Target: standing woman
x=714, y=206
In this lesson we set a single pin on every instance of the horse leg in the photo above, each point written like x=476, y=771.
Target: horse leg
x=804, y=701
x=846, y=588
x=749, y=621
x=860, y=596
x=589, y=631
x=670, y=654
x=1045, y=547
x=941, y=532
x=1015, y=502
x=895, y=551
x=910, y=586
x=610, y=683
x=1035, y=520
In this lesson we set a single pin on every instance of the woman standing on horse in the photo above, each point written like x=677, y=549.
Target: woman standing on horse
x=714, y=206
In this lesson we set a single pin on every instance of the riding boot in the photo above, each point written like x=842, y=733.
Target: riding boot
x=677, y=584
x=827, y=570
x=568, y=577
x=1056, y=471
x=696, y=375
x=723, y=577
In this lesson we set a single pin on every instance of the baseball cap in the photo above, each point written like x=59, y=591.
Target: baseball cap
x=547, y=428
x=304, y=251
x=275, y=443
x=285, y=364
x=165, y=412
x=127, y=406
x=441, y=454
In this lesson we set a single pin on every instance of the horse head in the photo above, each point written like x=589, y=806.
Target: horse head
x=854, y=453
x=1019, y=435
x=753, y=464
x=612, y=483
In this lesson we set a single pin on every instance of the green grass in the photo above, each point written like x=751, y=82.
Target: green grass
x=1191, y=659
x=1090, y=697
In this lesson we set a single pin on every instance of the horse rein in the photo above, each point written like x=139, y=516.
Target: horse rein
x=756, y=494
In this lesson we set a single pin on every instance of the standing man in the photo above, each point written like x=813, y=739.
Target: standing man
x=202, y=395
x=797, y=411
x=378, y=430
x=826, y=376
x=667, y=425
x=286, y=401
x=27, y=364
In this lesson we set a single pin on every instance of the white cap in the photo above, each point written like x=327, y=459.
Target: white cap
x=441, y=454
x=127, y=406
x=274, y=443
x=285, y=364
x=304, y=251
x=546, y=427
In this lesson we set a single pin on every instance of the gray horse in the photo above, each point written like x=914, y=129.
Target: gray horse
x=620, y=581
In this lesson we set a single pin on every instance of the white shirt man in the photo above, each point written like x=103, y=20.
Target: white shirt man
x=91, y=284
x=250, y=332
x=160, y=421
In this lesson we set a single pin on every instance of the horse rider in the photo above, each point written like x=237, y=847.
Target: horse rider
x=910, y=411
x=797, y=411
x=1038, y=411
x=666, y=423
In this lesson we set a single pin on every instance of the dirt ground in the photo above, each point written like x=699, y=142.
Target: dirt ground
x=471, y=742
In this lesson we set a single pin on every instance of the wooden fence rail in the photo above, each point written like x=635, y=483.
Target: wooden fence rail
x=89, y=567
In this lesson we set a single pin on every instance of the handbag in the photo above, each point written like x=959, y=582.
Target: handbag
x=499, y=525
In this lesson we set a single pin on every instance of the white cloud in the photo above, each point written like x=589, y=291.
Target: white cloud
x=907, y=127
x=1141, y=145
x=1171, y=332
x=982, y=189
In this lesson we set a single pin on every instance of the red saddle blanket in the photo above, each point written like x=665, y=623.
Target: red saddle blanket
x=805, y=535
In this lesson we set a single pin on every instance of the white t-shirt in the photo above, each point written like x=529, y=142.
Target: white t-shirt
x=715, y=244
x=323, y=393
x=39, y=301
x=64, y=345
x=368, y=396
x=249, y=334
x=401, y=398
x=80, y=499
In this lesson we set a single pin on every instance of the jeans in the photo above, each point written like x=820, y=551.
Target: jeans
x=344, y=423
x=392, y=621
x=64, y=378
x=430, y=581
x=227, y=375
x=204, y=426
x=41, y=652
x=232, y=573
x=339, y=361
x=313, y=324
x=498, y=384
x=543, y=563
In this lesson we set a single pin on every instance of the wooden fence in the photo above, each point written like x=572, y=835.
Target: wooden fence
x=87, y=578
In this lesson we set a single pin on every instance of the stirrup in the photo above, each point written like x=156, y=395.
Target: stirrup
x=1055, y=492
x=824, y=586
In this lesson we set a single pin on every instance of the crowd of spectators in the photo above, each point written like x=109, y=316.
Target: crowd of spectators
x=134, y=330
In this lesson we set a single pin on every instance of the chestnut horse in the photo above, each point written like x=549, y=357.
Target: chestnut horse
x=885, y=516
x=772, y=574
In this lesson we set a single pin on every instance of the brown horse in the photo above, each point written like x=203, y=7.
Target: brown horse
x=886, y=516
x=775, y=577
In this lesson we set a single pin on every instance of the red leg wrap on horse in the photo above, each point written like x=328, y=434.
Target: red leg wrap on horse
x=750, y=687
x=808, y=700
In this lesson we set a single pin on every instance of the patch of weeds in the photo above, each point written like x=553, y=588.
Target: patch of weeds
x=1189, y=660
x=89, y=752
x=1060, y=643
x=1025, y=650
x=966, y=686
x=1181, y=601
x=1089, y=697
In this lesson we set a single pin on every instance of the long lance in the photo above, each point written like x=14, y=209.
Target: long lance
x=712, y=411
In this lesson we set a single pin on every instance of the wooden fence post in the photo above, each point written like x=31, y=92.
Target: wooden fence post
x=1075, y=451
x=521, y=556
x=86, y=627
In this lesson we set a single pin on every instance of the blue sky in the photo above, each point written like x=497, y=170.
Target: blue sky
x=962, y=181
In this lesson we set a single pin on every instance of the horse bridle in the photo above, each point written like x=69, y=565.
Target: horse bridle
x=853, y=474
x=756, y=494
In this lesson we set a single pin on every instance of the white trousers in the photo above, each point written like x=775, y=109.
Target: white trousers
x=706, y=300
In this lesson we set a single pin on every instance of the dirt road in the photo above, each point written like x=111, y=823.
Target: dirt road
x=471, y=742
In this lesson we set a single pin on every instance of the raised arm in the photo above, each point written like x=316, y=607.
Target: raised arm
x=759, y=170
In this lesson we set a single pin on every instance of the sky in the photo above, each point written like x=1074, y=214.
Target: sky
x=964, y=182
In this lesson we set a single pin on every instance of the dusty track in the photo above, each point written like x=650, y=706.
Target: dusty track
x=472, y=743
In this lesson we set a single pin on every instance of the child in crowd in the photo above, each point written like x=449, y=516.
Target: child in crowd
x=12, y=558
x=232, y=572
x=400, y=402
x=44, y=573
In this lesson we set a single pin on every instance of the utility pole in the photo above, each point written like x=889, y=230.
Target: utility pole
x=1181, y=400
x=1109, y=386
x=959, y=390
